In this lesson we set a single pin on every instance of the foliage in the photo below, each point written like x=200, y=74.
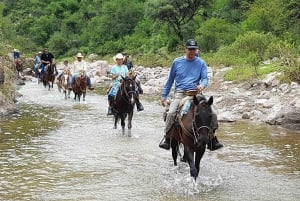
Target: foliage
x=230, y=32
x=215, y=33
x=175, y=13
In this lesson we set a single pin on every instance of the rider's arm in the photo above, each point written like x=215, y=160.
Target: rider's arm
x=204, y=77
x=169, y=83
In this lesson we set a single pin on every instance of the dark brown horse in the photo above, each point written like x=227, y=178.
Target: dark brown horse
x=124, y=101
x=49, y=76
x=193, y=131
x=64, y=83
x=79, y=87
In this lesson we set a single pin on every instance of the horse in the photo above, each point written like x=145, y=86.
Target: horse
x=49, y=75
x=19, y=66
x=124, y=101
x=64, y=83
x=79, y=87
x=193, y=131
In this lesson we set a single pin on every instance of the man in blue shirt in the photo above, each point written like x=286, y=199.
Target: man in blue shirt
x=189, y=73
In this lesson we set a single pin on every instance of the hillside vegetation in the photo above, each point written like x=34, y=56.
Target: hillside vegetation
x=237, y=33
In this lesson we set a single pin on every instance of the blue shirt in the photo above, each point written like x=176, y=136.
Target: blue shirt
x=187, y=74
x=121, y=70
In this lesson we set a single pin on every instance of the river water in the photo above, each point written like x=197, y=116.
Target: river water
x=57, y=149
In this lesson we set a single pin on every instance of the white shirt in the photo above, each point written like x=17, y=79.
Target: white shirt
x=79, y=67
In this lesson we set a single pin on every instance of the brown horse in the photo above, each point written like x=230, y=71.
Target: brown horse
x=49, y=76
x=79, y=87
x=193, y=130
x=19, y=66
x=124, y=101
x=64, y=83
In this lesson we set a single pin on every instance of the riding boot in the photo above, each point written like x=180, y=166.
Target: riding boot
x=110, y=109
x=165, y=143
x=139, y=105
x=214, y=144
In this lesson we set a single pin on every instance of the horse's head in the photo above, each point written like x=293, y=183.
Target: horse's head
x=202, y=119
x=50, y=68
x=128, y=88
x=65, y=79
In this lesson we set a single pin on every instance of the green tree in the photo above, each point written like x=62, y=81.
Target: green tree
x=215, y=33
x=175, y=13
x=266, y=16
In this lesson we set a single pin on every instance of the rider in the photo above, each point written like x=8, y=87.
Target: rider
x=66, y=67
x=189, y=73
x=16, y=57
x=117, y=72
x=80, y=67
x=127, y=62
x=37, y=62
x=47, y=58
x=129, y=65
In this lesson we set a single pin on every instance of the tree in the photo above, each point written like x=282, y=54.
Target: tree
x=176, y=13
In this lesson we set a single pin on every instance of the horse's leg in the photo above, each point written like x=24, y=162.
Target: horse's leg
x=116, y=120
x=130, y=115
x=198, y=157
x=65, y=92
x=123, y=120
x=174, y=145
x=190, y=159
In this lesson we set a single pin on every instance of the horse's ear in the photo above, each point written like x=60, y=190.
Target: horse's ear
x=123, y=78
x=210, y=100
x=134, y=77
x=196, y=101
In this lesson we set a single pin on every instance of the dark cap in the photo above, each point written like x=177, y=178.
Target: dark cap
x=191, y=43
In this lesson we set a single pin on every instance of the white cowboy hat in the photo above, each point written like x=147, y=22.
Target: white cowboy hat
x=118, y=56
x=79, y=55
x=16, y=50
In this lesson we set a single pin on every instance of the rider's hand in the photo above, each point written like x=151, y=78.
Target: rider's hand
x=163, y=102
x=199, y=89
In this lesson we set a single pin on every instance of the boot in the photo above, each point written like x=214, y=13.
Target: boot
x=139, y=106
x=214, y=144
x=165, y=143
x=110, y=112
x=110, y=107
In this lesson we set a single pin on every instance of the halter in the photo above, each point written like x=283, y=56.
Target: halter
x=195, y=130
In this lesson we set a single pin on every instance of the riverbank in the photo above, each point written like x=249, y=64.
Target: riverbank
x=258, y=100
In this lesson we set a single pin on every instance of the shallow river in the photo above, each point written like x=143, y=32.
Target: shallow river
x=57, y=149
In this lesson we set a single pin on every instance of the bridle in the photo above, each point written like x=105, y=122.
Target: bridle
x=195, y=134
x=128, y=95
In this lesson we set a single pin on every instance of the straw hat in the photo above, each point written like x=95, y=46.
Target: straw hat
x=118, y=56
x=79, y=55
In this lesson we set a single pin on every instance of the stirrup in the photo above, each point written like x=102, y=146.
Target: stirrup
x=164, y=143
x=139, y=107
